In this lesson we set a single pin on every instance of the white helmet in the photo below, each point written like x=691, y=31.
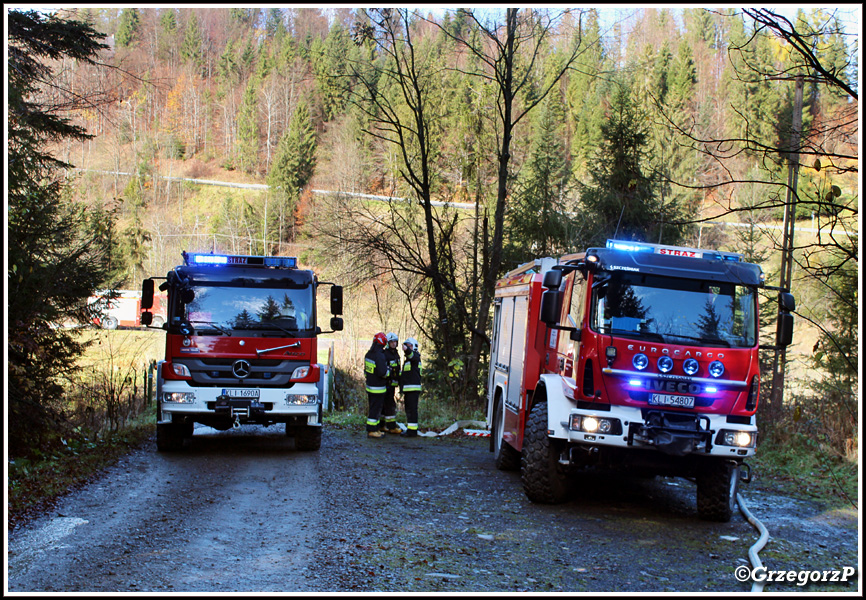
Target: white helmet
x=392, y=337
x=412, y=343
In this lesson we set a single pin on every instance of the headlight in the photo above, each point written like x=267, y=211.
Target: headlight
x=666, y=364
x=739, y=439
x=594, y=425
x=640, y=361
x=180, y=370
x=299, y=399
x=716, y=368
x=181, y=397
x=690, y=366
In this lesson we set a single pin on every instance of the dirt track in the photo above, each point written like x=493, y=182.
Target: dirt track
x=243, y=511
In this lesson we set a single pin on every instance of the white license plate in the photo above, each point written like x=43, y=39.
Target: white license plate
x=241, y=393
x=669, y=400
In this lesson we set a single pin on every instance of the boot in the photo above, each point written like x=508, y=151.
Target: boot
x=410, y=433
x=394, y=428
x=375, y=434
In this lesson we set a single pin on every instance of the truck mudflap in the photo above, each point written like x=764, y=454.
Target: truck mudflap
x=675, y=433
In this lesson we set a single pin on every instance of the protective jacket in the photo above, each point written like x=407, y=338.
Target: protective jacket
x=393, y=358
x=410, y=378
x=376, y=370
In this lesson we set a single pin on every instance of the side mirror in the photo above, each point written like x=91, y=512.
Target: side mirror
x=146, y=317
x=336, y=323
x=147, y=294
x=336, y=301
x=552, y=279
x=785, y=329
x=550, y=303
x=786, y=302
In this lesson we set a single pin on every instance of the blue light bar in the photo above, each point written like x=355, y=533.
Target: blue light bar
x=629, y=246
x=235, y=260
x=673, y=250
x=209, y=259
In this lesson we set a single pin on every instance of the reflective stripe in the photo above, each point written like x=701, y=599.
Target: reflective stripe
x=411, y=425
x=412, y=388
x=376, y=390
x=390, y=419
x=372, y=422
x=369, y=365
x=407, y=367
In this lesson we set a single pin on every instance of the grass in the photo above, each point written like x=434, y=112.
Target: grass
x=802, y=467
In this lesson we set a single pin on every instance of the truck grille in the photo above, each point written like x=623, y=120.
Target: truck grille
x=218, y=372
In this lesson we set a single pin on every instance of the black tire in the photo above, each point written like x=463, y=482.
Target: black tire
x=169, y=437
x=308, y=437
x=505, y=456
x=544, y=480
x=717, y=491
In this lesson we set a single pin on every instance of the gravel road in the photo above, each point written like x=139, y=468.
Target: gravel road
x=243, y=511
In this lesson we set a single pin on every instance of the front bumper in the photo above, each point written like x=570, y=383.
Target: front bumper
x=299, y=404
x=670, y=432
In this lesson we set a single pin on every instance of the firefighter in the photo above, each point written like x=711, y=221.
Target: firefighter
x=376, y=373
x=410, y=385
x=389, y=408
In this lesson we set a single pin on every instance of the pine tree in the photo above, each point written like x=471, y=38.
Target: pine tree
x=248, y=128
x=127, y=29
x=294, y=162
x=191, y=48
x=55, y=257
x=620, y=202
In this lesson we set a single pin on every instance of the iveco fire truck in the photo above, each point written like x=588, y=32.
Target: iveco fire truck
x=240, y=347
x=636, y=356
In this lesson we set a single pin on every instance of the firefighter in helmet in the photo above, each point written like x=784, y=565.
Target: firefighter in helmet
x=376, y=374
x=389, y=408
x=410, y=385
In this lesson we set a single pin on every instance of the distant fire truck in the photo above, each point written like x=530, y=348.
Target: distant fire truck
x=636, y=356
x=124, y=310
x=240, y=347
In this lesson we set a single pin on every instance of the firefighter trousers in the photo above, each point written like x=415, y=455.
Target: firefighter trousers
x=375, y=402
x=389, y=409
x=410, y=401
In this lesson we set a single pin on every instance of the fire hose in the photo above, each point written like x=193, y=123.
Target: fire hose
x=757, y=586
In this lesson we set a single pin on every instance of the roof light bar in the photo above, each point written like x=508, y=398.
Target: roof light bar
x=673, y=250
x=236, y=260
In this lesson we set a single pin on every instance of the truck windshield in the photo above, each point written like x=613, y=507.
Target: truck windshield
x=251, y=308
x=675, y=311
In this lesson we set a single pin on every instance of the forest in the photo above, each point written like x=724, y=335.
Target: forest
x=417, y=157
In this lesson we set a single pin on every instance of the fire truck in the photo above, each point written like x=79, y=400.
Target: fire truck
x=124, y=309
x=634, y=356
x=240, y=347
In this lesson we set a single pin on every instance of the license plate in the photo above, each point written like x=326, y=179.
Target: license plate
x=241, y=393
x=668, y=400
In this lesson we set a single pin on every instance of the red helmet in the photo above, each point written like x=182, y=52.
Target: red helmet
x=380, y=339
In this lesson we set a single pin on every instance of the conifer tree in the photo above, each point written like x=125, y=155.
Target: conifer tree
x=127, y=29
x=248, y=128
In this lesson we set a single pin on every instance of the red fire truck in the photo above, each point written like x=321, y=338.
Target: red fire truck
x=124, y=309
x=240, y=347
x=635, y=356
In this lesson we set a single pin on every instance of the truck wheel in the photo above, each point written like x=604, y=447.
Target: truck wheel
x=544, y=479
x=308, y=437
x=506, y=457
x=109, y=323
x=717, y=491
x=169, y=437
x=158, y=322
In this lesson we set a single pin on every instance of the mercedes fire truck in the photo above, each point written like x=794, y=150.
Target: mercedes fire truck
x=636, y=356
x=240, y=347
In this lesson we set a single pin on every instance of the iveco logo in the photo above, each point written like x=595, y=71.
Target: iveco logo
x=241, y=369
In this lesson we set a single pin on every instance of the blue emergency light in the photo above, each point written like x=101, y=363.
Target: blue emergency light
x=237, y=260
x=673, y=250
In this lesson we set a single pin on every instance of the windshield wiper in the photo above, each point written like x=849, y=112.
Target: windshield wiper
x=215, y=326
x=270, y=324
